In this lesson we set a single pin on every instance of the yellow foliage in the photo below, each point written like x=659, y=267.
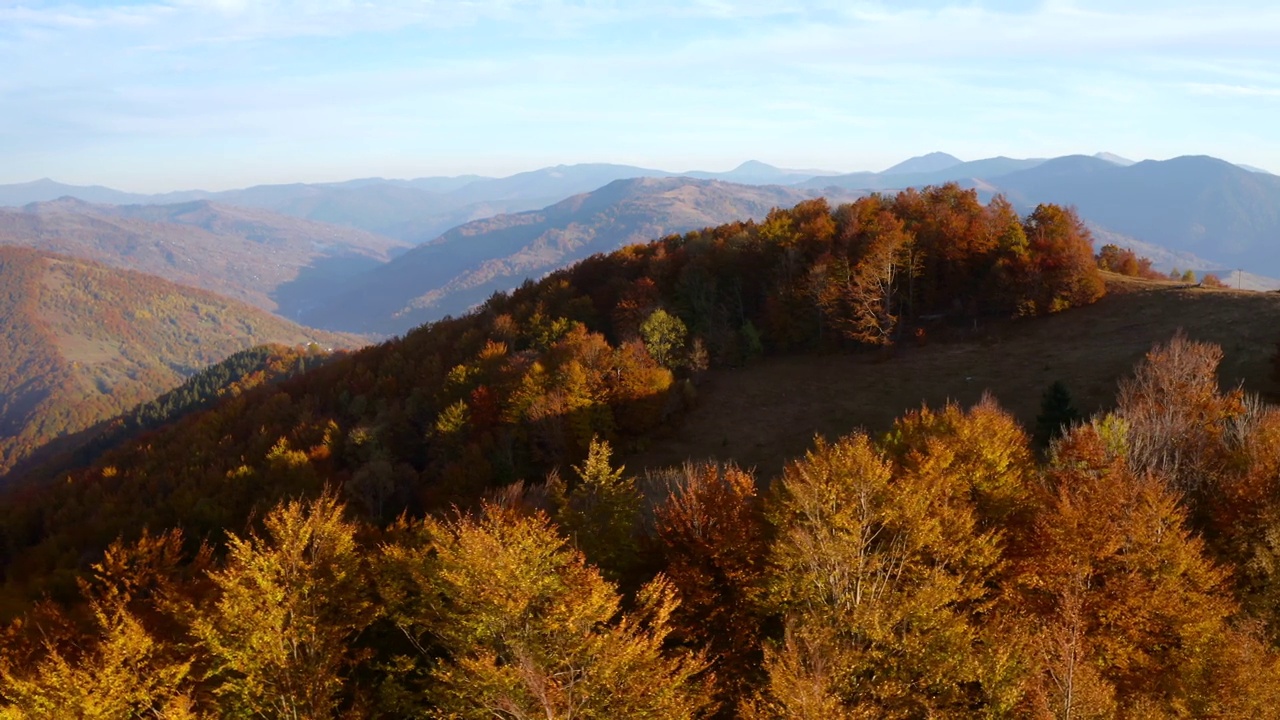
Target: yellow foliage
x=287, y=606
x=124, y=674
x=528, y=629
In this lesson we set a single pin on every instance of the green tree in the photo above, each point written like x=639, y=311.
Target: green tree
x=602, y=511
x=1057, y=413
x=664, y=337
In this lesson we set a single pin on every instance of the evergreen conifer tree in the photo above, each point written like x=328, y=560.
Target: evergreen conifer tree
x=1057, y=412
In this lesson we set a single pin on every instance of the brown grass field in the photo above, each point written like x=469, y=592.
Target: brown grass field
x=767, y=413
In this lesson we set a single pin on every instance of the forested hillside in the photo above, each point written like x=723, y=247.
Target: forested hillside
x=478, y=552
x=84, y=342
x=609, y=347
x=1016, y=361
x=937, y=571
x=231, y=377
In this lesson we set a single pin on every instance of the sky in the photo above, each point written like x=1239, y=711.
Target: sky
x=156, y=95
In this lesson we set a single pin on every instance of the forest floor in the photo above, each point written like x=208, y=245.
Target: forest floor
x=762, y=415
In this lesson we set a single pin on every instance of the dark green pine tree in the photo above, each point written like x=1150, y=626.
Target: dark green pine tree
x=1057, y=413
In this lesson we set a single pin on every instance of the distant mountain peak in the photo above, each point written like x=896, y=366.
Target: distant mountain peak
x=755, y=166
x=1114, y=159
x=65, y=202
x=933, y=162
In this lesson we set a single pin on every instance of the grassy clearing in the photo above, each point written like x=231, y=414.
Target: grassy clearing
x=762, y=415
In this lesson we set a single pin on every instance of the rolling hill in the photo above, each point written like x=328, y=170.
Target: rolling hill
x=83, y=342
x=455, y=407
x=469, y=263
x=274, y=262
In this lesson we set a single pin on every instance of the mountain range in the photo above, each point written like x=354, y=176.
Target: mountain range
x=413, y=211
x=1195, y=204
x=327, y=254
x=467, y=264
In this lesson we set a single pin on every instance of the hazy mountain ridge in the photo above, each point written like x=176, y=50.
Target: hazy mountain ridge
x=414, y=210
x=907, y=174
x=932, y=162
x=85, y=342
x=754, y=172
x=465, y=265
x=1197, y=204
x=1213, y=212
x=1114, y=159
x=273, y=262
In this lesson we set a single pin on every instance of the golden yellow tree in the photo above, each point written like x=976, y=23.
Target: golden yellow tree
x=523, y=627
x=118, y=668
x=878, y=577
x=123, y=673
x=288, y=604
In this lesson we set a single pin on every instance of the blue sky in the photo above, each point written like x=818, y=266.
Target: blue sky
x=178, y=94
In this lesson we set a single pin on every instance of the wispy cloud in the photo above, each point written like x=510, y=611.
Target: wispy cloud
x=1245, y=91
x=501, y=81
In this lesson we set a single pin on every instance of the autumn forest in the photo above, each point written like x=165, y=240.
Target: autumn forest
x=440, y=525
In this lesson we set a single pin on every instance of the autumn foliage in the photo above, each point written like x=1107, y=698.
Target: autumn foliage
x=942, y=570
x=608, y=348
x=437, y=527
x=1124, y=261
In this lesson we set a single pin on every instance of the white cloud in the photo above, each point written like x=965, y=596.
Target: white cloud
x=887, y=30
x=1223, y=90
x=569, y=73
